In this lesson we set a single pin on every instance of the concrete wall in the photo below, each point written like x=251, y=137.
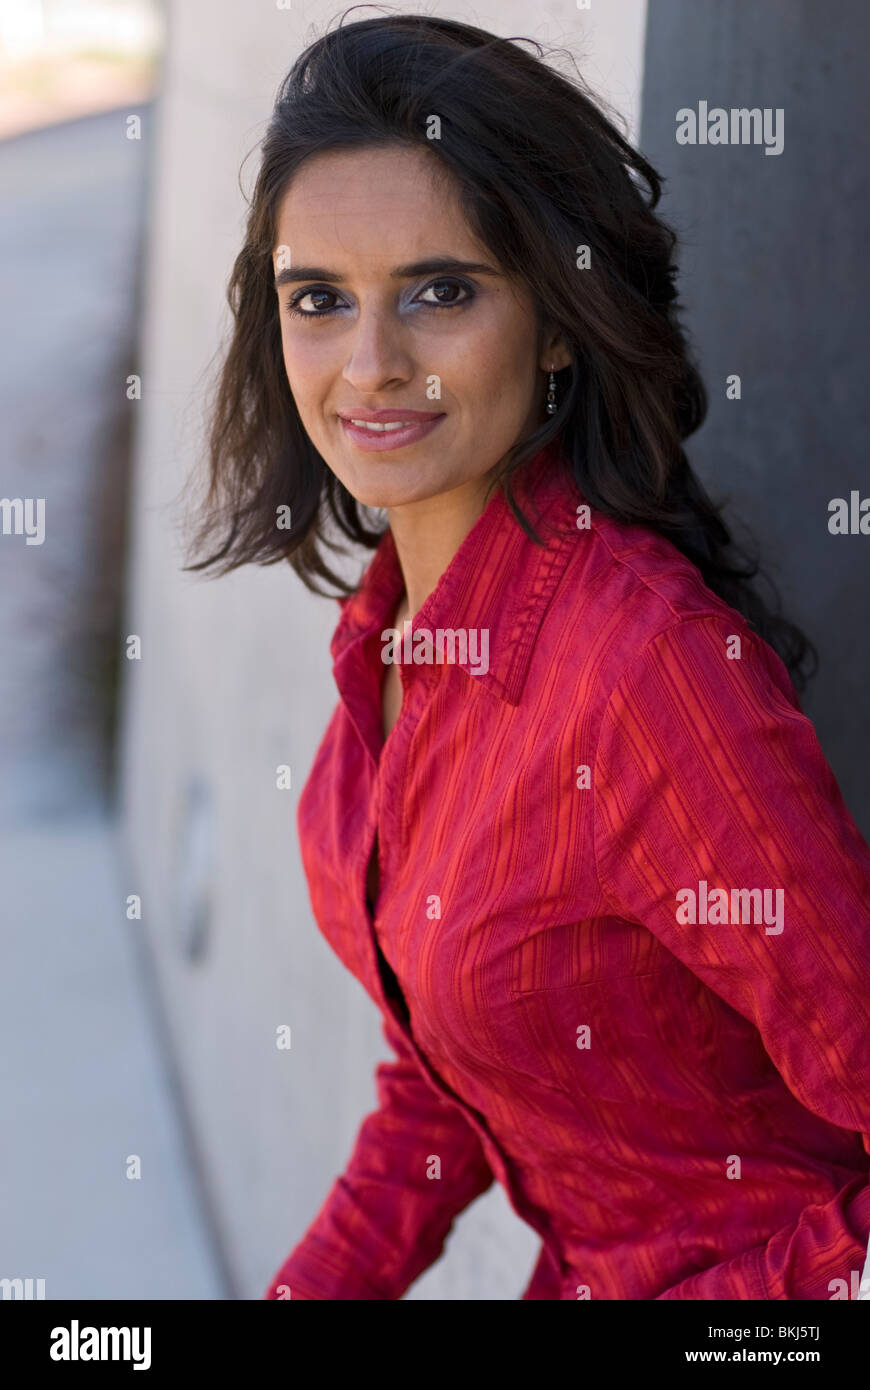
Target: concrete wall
x=234, y=678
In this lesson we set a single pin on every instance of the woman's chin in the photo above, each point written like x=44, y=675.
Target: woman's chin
x=406, y=485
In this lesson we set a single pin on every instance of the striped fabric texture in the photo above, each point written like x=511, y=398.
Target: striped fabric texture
x=621, y=944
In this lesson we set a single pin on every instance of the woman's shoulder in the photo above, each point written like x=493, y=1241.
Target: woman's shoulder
x=627, y=592
x=637, y=571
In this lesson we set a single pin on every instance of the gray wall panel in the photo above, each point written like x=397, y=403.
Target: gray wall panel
x=777, y=288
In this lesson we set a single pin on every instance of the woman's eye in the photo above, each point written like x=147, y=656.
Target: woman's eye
x=451, y=285
x=316, y=295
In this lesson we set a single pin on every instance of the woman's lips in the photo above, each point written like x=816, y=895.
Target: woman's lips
x=379, y=440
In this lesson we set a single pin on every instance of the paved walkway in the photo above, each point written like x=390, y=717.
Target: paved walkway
x=84, y=1089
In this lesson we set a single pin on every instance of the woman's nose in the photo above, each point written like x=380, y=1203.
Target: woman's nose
x=377, y=354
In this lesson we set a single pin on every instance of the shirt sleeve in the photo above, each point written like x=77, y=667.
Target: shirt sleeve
x=386, y=1218
x=707, y=770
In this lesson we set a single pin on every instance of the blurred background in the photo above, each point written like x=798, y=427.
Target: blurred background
x=156, y=929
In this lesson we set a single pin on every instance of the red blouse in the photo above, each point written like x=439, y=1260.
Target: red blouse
x=622, y=939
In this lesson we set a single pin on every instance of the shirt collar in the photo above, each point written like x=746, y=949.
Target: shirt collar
x=499, y=580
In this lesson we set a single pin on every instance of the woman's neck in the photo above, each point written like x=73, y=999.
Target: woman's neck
x=427, y=535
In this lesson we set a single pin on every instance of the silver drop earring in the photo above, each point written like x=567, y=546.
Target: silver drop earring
x=551, y=394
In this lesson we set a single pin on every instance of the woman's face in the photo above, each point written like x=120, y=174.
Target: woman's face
x=379, y=327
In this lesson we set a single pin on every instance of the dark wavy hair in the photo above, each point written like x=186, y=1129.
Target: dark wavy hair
x=540, y=170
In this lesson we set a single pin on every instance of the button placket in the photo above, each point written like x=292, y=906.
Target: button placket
x=386, y=816
x=496, y=1158
x=380, y=832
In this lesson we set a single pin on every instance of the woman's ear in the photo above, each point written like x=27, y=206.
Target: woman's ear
x=555, y=353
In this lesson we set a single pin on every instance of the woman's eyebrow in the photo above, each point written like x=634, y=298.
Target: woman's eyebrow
x=432, y=266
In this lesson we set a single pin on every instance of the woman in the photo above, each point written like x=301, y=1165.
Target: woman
x=568, y=824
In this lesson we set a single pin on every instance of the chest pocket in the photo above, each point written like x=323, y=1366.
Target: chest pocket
x=617, y=1035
